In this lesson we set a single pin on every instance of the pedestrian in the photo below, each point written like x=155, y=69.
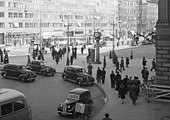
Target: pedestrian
x=57, y=58
x=1, y=55
x=29, y=60
x=145, y=75
x=98, y=76
x=144, y=61
x=136, y=82
x=117, y=66
x=103, y=73
x=127, y=62
x=112, y=79
x=125, y=83
x=34, y=55
x=153, y=64
x=131, y=54
x=122, y=92
x=133, y=93
x=104, y=62
x=82, y=49
x=71, y=59
x=106, y=117
x=39, y=56
x=89, y=68
x=129, y=83
x=53, y=53
x=6, y=58
x=75, y=52
x=122, y=67
x=117, y=80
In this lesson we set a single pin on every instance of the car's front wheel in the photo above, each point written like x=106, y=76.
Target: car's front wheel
x=23, y=79
x=4, y=75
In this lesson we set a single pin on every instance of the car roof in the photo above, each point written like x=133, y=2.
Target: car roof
x=13, y=64
x=9, y=94
x=38, y=61
x=79, y=90
x=75, y=66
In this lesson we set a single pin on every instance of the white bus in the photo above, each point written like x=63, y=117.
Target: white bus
x=13, y=105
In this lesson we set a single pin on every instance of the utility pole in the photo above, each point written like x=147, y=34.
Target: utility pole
x=139, y=27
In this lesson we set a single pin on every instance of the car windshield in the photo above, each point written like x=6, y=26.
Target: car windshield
x=81, y=70
x=73, y=96
x=43, y=63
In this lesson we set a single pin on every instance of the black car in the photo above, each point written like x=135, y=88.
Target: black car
x=77, y=95
x=78, y=75
x=40, y=67
x=18, y=72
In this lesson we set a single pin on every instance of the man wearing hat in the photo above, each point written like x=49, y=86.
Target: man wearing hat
x=106, y=117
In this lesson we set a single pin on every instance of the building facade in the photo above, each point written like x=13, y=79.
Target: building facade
x=127, y=18
x=149, y=16
x=24, y=20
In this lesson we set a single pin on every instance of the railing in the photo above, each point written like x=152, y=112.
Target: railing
x=158, y=92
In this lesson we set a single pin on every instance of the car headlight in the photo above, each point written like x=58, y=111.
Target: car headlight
x=68, y=106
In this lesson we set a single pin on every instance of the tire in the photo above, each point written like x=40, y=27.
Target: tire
x=64, y=77
x=52, y=73
x=59, y=113
x=23, y=79
x=44, y=73
x=33, y=80
x=4, y=75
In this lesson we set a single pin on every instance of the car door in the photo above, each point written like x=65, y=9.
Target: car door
x=15, y=72
x=68, y=72
x=73, y=74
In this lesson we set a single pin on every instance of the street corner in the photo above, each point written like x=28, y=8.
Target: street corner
x=105, y=97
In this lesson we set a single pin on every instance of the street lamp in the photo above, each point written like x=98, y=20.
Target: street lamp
x=68, y=33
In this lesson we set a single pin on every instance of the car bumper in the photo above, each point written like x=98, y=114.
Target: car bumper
x=30, y=79
x=65, y=113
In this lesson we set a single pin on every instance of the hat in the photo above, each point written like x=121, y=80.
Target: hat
x=107, y=115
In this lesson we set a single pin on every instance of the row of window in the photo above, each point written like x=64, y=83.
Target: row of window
x=2, y=3
x=48, y=25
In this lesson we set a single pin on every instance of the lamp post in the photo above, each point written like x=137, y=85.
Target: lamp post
x=40, y=31
x=114, y=56
x=68, y=34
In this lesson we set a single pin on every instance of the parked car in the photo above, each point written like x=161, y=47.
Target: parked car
x=18, y=72
x=77, y=95
x=78, y=75
x=40, y=67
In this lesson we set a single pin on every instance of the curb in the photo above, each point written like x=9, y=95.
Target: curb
x=105, y=96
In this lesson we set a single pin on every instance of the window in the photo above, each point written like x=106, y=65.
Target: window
x=2, y=3
x=6, y=109
x=15, y=15
x=2, y=25
x=18, y=105
x=20, y=15
x=10, y=14
x=2, y=14
x=20, y=25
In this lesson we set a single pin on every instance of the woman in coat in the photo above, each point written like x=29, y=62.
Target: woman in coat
x=122, y=92
x=133, y=93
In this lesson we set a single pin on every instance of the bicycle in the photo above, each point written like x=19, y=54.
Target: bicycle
x=143, y=86
x=165, y=118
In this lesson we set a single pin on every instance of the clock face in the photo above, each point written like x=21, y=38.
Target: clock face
x=96, y=34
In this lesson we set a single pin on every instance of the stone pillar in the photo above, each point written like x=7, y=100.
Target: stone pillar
x=163, y=43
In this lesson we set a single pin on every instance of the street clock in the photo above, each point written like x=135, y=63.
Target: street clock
x=97, y=35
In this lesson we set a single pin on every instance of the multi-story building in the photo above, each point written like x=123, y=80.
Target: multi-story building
x=149, y=16
x=127, y=19
x=24, y=20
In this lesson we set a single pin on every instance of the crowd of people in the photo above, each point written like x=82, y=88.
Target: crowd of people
x=127, y=85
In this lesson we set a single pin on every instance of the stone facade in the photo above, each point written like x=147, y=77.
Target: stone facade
x=163, y=44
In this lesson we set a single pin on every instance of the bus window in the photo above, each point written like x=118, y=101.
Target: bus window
x=6, y=109
x=18, y=105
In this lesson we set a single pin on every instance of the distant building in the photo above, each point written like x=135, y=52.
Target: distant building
x=127, y=19
x=149, y=16
x=24, y=20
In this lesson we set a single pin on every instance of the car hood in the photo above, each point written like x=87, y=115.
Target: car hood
x=70, y=101
x=47, y=67
x=27, y=71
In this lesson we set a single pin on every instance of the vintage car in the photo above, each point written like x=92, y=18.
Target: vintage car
x=18, y=72
x=78, y=75
x=40, y=67
x=77, y=95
